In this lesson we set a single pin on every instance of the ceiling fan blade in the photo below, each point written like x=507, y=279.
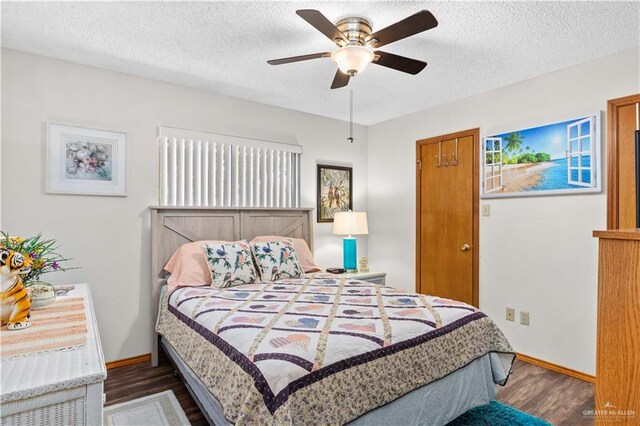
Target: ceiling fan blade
x=322, y=24
x=299, y=58
x=340, y=80
x=400, y=63
x=414, y=24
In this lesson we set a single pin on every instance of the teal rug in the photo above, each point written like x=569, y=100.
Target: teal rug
x=497, y=414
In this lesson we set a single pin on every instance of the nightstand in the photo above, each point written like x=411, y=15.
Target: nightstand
x=372, y=277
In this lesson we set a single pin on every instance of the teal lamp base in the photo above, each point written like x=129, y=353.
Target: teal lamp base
x=349, y=254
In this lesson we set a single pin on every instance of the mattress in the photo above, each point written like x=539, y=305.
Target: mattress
x=434, y=404
x=331, y=350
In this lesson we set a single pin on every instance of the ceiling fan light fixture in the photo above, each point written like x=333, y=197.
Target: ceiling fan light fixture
x=356, y=43
x=352, y=59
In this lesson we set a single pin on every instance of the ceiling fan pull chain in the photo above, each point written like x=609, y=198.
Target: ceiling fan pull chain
x=350, y=138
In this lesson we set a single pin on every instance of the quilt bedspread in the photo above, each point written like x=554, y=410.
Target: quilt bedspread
x=320, y=350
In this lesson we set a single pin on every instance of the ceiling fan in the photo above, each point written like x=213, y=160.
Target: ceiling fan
x=356, y=43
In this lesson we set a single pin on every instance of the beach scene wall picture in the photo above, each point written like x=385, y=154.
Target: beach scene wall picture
x=85, y=161
x=557, y=158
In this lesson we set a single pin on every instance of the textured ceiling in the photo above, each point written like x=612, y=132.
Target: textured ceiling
x=223, y=46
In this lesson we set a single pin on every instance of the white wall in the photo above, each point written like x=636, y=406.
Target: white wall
x=109, y=237
x=536, y=254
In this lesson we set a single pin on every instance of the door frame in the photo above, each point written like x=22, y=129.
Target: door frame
x=613, y=171
x=475, y=245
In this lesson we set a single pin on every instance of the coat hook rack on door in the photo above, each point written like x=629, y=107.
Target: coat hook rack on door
x=441, y=159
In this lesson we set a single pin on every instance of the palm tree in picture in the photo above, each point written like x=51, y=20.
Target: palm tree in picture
x=513, y=142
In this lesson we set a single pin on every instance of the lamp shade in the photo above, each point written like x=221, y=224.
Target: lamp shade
x=350, y=223
x=352, y=59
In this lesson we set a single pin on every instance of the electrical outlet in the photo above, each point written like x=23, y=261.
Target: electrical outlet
x=486, y=210
x=524, y=318
x=511, y=314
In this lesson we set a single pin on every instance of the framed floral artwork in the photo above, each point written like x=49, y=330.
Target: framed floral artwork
x=335, y=191
x=85, y=161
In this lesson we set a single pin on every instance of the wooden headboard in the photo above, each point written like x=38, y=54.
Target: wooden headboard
x=173, y=226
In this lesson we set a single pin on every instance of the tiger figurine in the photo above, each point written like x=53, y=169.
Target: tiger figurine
x=15, y=303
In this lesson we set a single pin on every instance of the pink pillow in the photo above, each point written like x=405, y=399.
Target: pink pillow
x=188, y=266
x=305, y=257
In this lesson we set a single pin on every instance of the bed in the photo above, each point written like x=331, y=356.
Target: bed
x=317, y=349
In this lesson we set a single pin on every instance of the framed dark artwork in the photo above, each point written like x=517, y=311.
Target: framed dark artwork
x=335, y=191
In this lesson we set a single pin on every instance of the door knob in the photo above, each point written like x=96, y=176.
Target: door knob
x=465, y=247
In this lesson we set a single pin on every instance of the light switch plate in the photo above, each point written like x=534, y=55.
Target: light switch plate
x=486, y=210
x=524, y=318
x=511, y=314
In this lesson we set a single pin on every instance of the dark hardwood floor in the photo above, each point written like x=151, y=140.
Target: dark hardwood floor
x=138, y=380
x=557, y=398
x=554, y=397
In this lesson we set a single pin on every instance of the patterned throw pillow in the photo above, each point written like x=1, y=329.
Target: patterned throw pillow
x=230, y=264
x=277, y=260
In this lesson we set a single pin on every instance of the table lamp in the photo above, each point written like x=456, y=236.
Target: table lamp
x=349, y=224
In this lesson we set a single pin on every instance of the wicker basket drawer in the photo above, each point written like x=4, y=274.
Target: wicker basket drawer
x=64, y=407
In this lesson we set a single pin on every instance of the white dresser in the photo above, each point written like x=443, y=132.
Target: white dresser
x=58, y=388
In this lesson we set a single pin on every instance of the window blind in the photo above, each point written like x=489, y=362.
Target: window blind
x=227, y=171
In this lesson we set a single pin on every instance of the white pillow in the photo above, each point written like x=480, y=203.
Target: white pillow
x=230, y=264
x=277, y=260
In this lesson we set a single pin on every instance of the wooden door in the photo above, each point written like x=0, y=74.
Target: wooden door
x=623, y=119
x=447, y=216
